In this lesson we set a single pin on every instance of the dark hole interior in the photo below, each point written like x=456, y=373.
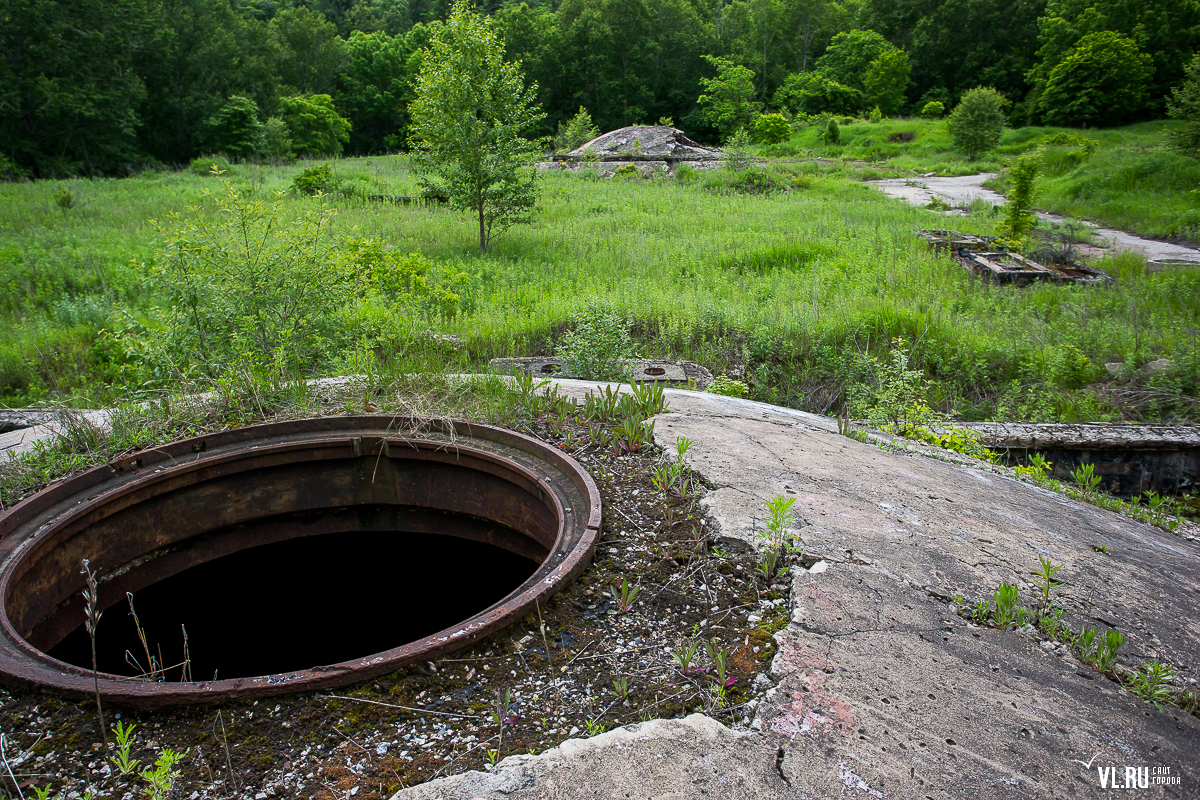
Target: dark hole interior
x=303, y=602
x=655, y=371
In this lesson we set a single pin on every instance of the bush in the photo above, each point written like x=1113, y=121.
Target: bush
x=728, y=386
x=876, y=115
x=276, y=141
x=934, y=109
x=831, y=134
x=977, y=121
x=627, y=171
x=207, y=166
x=235, y=129
x=316, y=128
x=815, y=93
x=578, y=131
x=887, y=80
x=1103, y=80
x=596, y=347
x=753, y=181
x=245, y=288
x=738, y=155
x=315, y=179
x=1185, y=105
x=772, y=129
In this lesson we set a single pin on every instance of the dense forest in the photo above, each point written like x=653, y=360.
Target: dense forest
x=116, y=86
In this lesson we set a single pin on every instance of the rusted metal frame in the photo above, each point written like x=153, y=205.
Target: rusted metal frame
x=559, y=570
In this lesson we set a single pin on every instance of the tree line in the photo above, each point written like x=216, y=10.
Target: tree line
x=114, y=86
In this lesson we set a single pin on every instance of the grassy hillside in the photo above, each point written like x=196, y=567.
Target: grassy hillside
x=1130, y=181
x=787, y=290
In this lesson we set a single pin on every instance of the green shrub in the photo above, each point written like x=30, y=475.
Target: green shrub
x=577, y=132
x=685, y=174
x=315, y=126
x=595, y=348
x=876, y=115
x=207, y=166
x=738, y=153
x=276, y=141
x=1103, y=80
x=627, y=171
x=753, y=181
x=977, y=122
x=244, y=289
x=728, y=386
x=772, y=128
x=315, y=179
x=887, y=80
x=934, y=109
x=235, y=130
x=832, y=134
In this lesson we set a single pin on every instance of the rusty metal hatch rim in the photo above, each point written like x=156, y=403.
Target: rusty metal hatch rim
x=22, y=664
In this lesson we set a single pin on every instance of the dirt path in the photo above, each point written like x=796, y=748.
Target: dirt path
x=966, y=188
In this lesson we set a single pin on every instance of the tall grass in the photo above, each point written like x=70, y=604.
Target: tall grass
x=787, y=290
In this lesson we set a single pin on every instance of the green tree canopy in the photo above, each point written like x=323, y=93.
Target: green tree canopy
x=235, y=129
x=316, y=129
x=311, y=55
x=958, y=44
x=376, y=89
x=849, y=56
x=1103, y=80
x=1166, y=30
x=814, y=93
x=887, y=80
x=728, y=99
x=468, y=119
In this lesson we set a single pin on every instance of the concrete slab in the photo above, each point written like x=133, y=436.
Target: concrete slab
x=964, y=189
x=881, y=689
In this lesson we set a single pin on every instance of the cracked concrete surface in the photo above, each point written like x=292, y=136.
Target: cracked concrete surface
x=881, y=690
x=963, y=189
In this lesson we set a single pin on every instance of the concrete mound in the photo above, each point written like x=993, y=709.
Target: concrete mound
x=646, y=143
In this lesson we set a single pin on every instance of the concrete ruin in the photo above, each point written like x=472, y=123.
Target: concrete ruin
x=880, y=689
x=648, y=148
x=686, y=374
x=982, y=259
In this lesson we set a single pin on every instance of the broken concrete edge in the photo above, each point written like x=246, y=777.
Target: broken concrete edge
x=686, y=374
x=518, y=772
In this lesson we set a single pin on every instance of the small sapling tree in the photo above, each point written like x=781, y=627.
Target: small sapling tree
x=977, y=121
x=1018, y=211
x=578, y=131
x=469, y=117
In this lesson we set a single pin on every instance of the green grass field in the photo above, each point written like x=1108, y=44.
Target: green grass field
x=788, y=291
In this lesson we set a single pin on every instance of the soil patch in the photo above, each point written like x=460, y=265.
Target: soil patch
x=586, y=665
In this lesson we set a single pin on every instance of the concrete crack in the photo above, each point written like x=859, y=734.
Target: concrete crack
x=779, y=766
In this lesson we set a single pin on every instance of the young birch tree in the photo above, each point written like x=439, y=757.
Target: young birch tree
x=468, y=119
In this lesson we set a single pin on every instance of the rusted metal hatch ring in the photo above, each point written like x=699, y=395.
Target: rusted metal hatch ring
x=151, y=515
